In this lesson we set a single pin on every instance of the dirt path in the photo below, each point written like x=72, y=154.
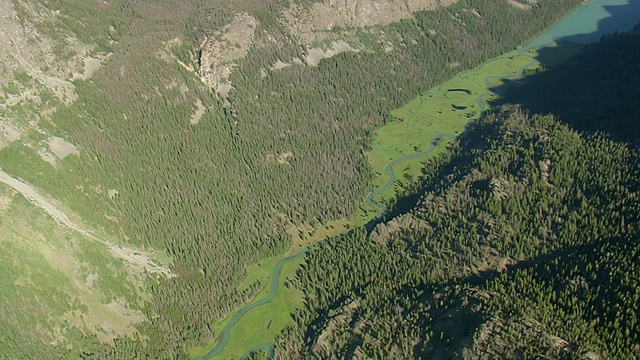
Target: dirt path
x=137, y=259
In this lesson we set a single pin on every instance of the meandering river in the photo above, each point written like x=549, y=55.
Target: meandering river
x=587, y=23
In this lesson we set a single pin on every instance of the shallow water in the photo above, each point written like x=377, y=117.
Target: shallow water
x=590, y=22
x=586, y=24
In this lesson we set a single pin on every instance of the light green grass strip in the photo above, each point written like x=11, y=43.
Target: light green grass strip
x=424, y=128
x=426, y=124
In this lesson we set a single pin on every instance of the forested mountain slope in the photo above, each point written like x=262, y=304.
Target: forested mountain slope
x=583, y=102
x=524, y=243
x=191, y=137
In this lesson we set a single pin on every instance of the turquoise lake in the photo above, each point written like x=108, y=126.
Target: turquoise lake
x=590, y=22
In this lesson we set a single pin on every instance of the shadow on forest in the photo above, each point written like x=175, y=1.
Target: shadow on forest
x=592, y=88
x=439, y=169
x=457, y=320
x=623, y=17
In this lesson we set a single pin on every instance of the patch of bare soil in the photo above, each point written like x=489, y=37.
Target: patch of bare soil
x=219, y=53
x=90, y=279
x=324, y=15
x=8, y=132
x=545, y=167
x=519, y=5
x=314, y=55
x=197, y=115
x=112, y=193
x=284, y=157
x=61, y=148
x=279, y=65
x=223, y=92
x=119, y=308
x=54, y=149
x=90, y=66
x=48, y=157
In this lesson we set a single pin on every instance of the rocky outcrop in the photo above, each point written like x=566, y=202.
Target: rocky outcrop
x=25, y=50
x=327, y=14
x=219, y=53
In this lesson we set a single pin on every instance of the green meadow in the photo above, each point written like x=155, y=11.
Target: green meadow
x=431, y=119
x=264, y=322
x=426, y=124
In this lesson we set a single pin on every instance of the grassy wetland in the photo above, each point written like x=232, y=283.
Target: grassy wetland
x=186, y=171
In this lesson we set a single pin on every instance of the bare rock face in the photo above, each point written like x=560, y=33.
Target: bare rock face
x=23, y=49
x=31, y=61
x=368, y=12
x=314, y=55
x=325, y=15
x=220, y=52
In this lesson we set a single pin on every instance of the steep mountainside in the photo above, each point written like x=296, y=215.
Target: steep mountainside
x=524, y=243
x=150, y=152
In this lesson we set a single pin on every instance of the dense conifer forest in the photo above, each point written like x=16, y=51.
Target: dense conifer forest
x=519, y=243
x=212, y=195
x=523, y=244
